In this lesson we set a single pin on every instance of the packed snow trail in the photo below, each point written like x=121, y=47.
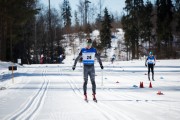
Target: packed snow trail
x=54, y=92
x=34, y=104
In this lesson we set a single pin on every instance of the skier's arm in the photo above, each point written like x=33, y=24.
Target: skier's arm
x=146, y=62
x=78, y=57
x=99, y=60
x=154, y=60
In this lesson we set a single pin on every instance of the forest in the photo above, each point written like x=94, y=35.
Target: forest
x=28, y=29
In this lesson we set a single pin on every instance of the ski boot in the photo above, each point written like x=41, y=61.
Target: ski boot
x=94, y=98
x=85, y=97
x=153, y=77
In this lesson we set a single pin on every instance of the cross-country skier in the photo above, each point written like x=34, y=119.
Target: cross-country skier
x=88, y=54
x=150, y=62
x=113, y=58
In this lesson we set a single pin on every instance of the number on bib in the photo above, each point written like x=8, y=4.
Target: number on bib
x=88, y=57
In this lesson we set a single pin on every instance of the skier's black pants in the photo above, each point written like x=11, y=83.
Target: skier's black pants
x=112, y=60
x=89, y=70
x=150, y=66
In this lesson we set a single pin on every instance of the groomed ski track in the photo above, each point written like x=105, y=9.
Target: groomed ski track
x=54, y=92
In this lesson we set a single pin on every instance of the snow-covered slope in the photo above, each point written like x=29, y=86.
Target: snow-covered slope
x=54, y=92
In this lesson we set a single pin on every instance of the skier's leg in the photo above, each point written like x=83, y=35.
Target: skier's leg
x=148, y=71
x=92, y=77
x=152, y=70
x=85, y=80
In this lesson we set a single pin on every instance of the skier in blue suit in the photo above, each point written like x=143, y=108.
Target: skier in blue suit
x=88, y=54
x=150, y=62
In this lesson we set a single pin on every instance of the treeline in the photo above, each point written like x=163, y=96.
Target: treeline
x=16, y=31
x=151, y=27
x=30, y=31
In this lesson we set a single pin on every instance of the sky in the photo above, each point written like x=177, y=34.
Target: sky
x=112, y=5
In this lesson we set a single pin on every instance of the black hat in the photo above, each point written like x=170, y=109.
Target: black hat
x=89, y=41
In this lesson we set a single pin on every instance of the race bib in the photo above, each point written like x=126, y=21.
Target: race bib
x=151, y=61
x=88, y=58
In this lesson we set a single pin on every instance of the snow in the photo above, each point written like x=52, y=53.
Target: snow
x=95, y=33
x=54, y=92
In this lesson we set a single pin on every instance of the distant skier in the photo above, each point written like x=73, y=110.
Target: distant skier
x=88, y=54
x=113, y=58
x=60, y=58
x=41, y=59
x=150, y=62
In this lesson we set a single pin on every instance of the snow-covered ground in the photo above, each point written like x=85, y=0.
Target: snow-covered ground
x=54, y=92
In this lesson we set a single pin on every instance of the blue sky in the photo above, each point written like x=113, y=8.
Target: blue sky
x=112, y=5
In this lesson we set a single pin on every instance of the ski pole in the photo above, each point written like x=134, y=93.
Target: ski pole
x=102, y=77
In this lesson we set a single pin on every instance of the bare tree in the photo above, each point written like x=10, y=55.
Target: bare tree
x=81, y=10
x=101, y=6
x=92, y=10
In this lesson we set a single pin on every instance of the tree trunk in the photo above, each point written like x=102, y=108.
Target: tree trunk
x=133, y=50
x=159, y=48
x=3, y=38
x=11, y=43
x=137, y=49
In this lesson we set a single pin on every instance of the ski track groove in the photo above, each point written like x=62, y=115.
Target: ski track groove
x=116, y=115
x=111, y=109
x=133, y=99
x=144, y=99
x=162, y=105
x=41, y=100
x=33, y=104
x=110, y=112
x=77, y=91
x=123, y=97
x=25, y=103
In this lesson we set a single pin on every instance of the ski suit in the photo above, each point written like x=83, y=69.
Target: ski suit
x=150, y=61
x=88, y=56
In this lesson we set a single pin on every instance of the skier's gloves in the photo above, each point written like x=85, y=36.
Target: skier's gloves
x=146, y=65
x=154, y=64
x=73, y=67
x=102, y=67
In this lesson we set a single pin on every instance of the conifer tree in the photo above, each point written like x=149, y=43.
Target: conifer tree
x=66, y=15
x=16, y=18
x=147, y=23
x=105, y=32
x=133, y=25
x=164, y=28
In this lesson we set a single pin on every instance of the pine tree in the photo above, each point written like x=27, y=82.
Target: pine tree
x=133, y=25
x=105, y=32
x=164, y=30
x=147, y=23
x=98, y=21
x=138, y=23
x=76, y=19
x=15, y=15
x=66, y=15
x=177, y=10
